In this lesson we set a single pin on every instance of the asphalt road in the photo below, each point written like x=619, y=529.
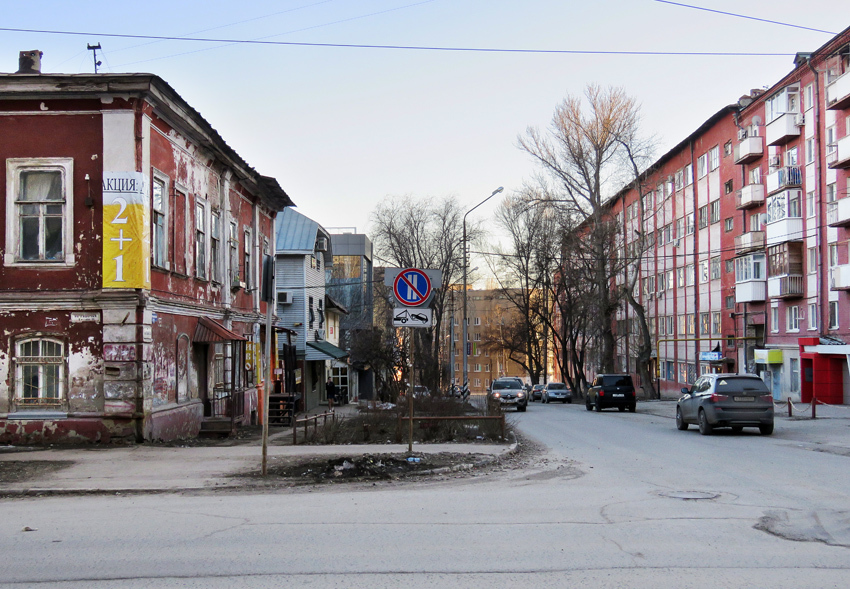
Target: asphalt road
x=613, y=500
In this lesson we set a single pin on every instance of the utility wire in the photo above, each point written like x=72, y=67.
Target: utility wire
x=404, y=47
x=736, y=15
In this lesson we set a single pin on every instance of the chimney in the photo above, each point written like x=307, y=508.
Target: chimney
x=29, y=62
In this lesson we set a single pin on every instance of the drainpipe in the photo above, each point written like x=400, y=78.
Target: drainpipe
x=823, y=284
x=696, y=262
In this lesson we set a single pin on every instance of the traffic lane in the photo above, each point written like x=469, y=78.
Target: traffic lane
x=645, y=447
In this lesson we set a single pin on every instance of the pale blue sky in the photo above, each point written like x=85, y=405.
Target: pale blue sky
x=342, y=128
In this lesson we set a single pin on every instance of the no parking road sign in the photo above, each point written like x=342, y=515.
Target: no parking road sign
x=412, y=287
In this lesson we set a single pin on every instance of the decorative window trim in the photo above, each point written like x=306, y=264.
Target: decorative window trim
x=14, y=167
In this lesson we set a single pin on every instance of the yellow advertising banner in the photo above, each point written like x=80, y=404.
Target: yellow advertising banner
x=126, y=230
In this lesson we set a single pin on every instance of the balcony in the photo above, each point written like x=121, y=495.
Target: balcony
x=752, y=291
x=839, y=277
x=785, y=287
x=840, y=158
x=838, y=213
x=749, y=150
x=784, y=128
x=787, y=229
x=749, y=241
x=782, y=178
x=750, y=196
x=838, y=93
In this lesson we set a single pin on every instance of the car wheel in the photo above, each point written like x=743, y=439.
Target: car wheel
x=588, y=406
x=521, y=408
x=737, y=428
x=704, y=427
x=597, y=406
x=632, y=408
x=766, y=430
x=621, y=408
x=681, y=424
x=570, y=401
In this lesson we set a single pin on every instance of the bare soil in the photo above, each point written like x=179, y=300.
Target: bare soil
x=19, y=471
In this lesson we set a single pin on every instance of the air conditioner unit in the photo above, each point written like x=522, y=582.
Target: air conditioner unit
x=775, y=161
x=799, y=119
x=742, y=134
x=284, y=297
x=676, y=242
x=322, y=244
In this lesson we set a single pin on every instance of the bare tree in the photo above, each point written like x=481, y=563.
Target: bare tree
x=582, y=154
x=426, y=234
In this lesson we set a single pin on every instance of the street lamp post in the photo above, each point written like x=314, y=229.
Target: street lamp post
x=465, y=318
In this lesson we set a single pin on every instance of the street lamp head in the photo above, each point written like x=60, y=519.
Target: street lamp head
x=498, y=190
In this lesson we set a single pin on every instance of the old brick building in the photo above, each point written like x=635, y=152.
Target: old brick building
x=132, y=242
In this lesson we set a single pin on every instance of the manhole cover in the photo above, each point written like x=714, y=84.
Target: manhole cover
x=689, y=495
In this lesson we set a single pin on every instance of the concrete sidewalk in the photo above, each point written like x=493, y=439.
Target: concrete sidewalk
x=171, y=468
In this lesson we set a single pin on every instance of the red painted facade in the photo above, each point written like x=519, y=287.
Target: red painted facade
x=82, y=357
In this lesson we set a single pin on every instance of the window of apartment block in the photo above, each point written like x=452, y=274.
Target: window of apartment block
x=683, y=372
x=680, y=229
x=774, y=319
x=689, y=275
x=692, y=323
x=705, y=324
x=833, y=314
x=810, y=203
x=831, y=195
x=730, y=341
x=831, y=141
x=215, y=246
x=833, y=255
x=785, y=101
x=39, y=372
x=678, y=180
x=791, y=158
x=785, y=259
x=809, y=97
x=714, y=158
x=755, y=221
x=689, y=174
x=668, y=233
x=680, y=276
x=703, y=272
x=715, y=322
x=703, y=217
x=714, y=211
x=702, y=165
x=728, y=187
x=689, y=223
x=729, y=266
x=813, y=260
x=727, y=148
x=683, y=324
x=792, y=315
x=159, y=216
x=810, y=150
x=40, y=219
x=729, y=224
x=670, y=284
x=715, y=268
x=477, y=321
x=813, y=316
x=794, y=374
x=200, y=241
x=478, y=382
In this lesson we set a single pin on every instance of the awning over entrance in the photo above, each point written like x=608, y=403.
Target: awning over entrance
x=331, y=351
x=210, y=330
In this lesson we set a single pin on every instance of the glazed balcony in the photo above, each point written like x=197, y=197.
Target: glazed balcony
x=787, y=229
x=785, y=287
x=751, y=195
x=752, y=291
x=784, y=128
x=838, y=92
x=840, y=157
x=749, y=150
x=838, y=213
x=839, y=277
x=749, y=241
x=782, y=178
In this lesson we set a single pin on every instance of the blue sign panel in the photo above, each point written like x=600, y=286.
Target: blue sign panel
x=412, y=287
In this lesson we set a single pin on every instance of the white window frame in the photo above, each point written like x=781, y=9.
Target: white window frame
x=813, y=316
x=702, y=165
x=792, y=315
x=201, y=240
x=774, y=319
x=215, y=252
x=833, y=315
x=14, y=168
x=713, y=158
x=165, y=213
x=22, y=361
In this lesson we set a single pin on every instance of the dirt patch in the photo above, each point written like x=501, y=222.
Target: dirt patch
x=368, y=467
x=19, y=471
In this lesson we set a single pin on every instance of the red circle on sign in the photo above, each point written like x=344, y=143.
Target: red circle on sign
x=410, y=295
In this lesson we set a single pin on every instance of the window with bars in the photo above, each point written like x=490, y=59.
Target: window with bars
x=40, y=372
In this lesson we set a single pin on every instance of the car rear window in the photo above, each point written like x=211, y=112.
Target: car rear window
x=736, y=384
x=617, y=381
x=557, y=387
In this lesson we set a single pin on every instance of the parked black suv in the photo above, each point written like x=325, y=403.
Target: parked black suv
x=611, y=390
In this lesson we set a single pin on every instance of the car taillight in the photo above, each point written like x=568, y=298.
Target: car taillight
x=715, y=398
x=601, y=393
x=766, y=398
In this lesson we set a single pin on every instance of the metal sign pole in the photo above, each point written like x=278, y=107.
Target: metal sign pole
x=410, y=392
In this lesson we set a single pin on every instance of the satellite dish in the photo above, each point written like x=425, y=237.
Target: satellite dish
x=756, y=121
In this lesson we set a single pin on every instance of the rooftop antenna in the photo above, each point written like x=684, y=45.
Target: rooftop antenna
x=93, y=49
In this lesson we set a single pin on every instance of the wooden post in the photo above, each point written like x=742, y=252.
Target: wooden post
x=790, y=410
x=814, y=405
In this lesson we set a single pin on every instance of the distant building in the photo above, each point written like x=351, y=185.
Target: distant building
x=487, y=311
x=351, y=284
x=303, y=252
x=131, y=254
